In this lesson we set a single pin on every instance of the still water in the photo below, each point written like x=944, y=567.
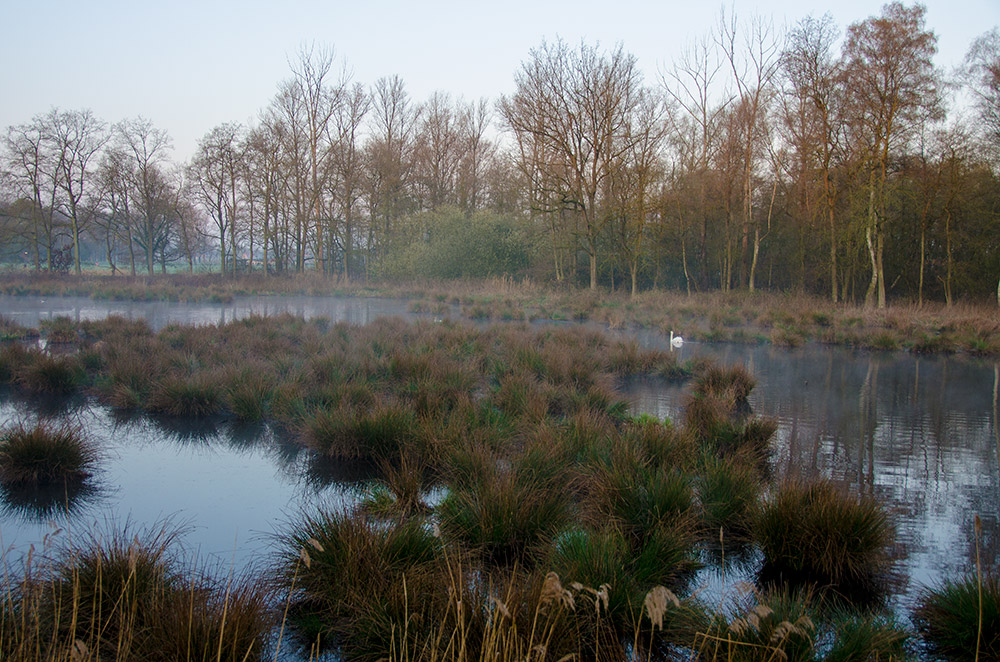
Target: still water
x=920, y=433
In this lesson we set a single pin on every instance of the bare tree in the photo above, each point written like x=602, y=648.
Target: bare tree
x=319, y=100
x=813, y=76
x=214, y=173
x=753, y=51
x=891, y=83
x=691, y=84
x=576, y=103
x=475, y=153
x=348, y=165
x=634, y=178
x=390, y=161
x=34, y=173
x=436, y=153
x=145, y=148
x=77, y=138
x=981, y=72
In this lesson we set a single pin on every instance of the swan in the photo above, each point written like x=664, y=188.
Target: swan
x=675, y=341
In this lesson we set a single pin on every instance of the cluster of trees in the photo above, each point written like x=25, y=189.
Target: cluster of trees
x=760, y=158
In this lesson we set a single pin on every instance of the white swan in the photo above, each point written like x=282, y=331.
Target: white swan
x=675, y=341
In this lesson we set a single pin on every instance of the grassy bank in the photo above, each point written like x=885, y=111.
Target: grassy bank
x=786, y=320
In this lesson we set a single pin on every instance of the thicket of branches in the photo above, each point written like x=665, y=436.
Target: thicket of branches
x=800, y=159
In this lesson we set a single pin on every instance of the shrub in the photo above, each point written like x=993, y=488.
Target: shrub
x=950, y=617
x=458, y=245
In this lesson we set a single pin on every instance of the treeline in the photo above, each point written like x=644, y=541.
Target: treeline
x=805, y=160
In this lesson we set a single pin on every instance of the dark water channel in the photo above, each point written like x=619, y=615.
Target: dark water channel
x=920, y=433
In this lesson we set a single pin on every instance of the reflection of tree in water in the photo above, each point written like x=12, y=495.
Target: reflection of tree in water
x=39, y=503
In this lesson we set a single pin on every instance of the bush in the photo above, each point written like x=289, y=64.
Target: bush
x=456, y=245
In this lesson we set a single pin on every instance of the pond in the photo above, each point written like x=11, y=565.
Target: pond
x=920, y=433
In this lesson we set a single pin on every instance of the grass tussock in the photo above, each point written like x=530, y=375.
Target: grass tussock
x=45, y=454
x=44, y=374
x=818, y=534
x=729, y=497
x=959, y=618
x=185, y=397
x=505, y=514
x=122, y=595
x=359, y=584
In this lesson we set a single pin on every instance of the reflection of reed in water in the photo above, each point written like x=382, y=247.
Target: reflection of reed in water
x=39, y=503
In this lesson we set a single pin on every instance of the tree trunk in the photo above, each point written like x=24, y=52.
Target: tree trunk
x=753, y=260
x=949, y=268
x=870, y=244
x=830, y=203
x=923, y=259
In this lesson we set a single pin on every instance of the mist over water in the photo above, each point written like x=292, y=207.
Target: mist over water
x=920, y=433
x=29, y=311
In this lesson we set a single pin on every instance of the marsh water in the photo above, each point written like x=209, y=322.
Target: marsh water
x=920, y=433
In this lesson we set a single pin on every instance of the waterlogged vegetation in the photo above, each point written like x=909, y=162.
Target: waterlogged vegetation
x=760, y=318
x=519, y=510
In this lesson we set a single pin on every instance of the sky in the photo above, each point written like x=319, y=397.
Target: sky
x=189, y=65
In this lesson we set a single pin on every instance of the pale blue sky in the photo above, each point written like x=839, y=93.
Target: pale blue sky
x=189, y=65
